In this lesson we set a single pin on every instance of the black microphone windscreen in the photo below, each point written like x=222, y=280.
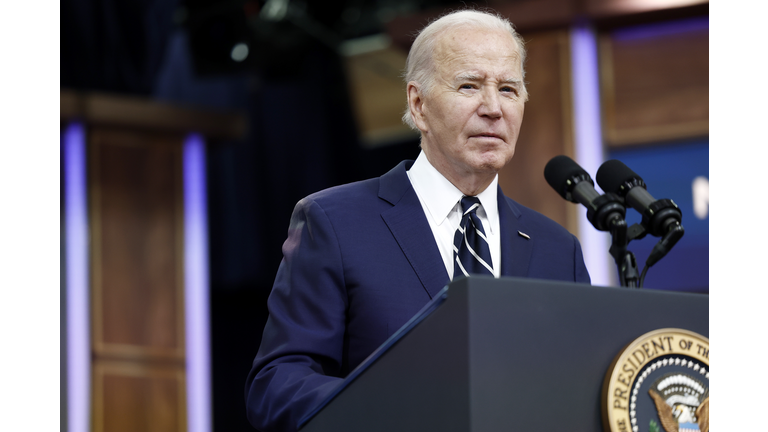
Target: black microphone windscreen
x=559, y=170
x=613, y=174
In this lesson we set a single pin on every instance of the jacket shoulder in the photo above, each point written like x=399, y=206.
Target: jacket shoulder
x=535, y=220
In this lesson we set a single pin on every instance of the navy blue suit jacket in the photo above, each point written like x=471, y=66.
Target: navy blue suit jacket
x=359, y=261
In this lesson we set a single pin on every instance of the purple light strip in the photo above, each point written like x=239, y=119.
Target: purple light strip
x=78, y=324
x=196, y=287
x=589, y=144
x=647, y=31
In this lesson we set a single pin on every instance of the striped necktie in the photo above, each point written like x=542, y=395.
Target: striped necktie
x=470, y=246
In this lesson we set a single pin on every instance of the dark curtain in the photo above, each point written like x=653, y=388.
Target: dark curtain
x=112, y=45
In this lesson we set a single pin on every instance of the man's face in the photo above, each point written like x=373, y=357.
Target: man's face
x=470, y=120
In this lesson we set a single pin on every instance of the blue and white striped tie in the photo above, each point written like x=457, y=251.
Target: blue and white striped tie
x=470, y=245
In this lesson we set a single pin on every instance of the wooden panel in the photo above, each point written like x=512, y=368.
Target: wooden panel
x=655, y=82
x=139, y=113
x=137, y=244
x=131, y=397
x=378, y=95
x=547, y=128
x=529, y=15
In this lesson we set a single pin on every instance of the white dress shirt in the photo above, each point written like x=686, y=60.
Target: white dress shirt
x=441, y=201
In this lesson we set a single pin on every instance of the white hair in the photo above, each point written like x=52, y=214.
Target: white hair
x=420, y=66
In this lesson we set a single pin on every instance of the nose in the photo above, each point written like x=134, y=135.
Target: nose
x=490, y=105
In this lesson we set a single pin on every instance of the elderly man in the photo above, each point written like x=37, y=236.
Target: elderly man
x=361, y=259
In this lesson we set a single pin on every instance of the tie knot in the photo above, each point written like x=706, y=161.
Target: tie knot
x=469, y=204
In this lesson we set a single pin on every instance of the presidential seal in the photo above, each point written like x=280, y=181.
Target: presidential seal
x=659, y=383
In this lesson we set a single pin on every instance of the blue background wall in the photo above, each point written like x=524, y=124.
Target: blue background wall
x=669, y=171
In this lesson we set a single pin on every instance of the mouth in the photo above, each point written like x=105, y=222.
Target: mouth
x=487, y=135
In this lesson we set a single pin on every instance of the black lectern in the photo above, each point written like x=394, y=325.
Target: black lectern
x=503, y=354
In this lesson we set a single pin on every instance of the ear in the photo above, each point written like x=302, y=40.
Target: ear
x=416, y=106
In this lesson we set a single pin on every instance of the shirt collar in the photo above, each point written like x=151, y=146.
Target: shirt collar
x=490, y=204
x=440, y=196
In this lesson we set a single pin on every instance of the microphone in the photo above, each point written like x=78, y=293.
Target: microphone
x=574, y=184
x=659, y=216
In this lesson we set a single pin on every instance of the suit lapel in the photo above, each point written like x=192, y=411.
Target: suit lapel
x=515, y=248
x=409, y=227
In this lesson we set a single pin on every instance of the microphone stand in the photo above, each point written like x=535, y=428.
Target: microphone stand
x=627, y=269
x=606, y=213
x=674, y=232
x=625, y=260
